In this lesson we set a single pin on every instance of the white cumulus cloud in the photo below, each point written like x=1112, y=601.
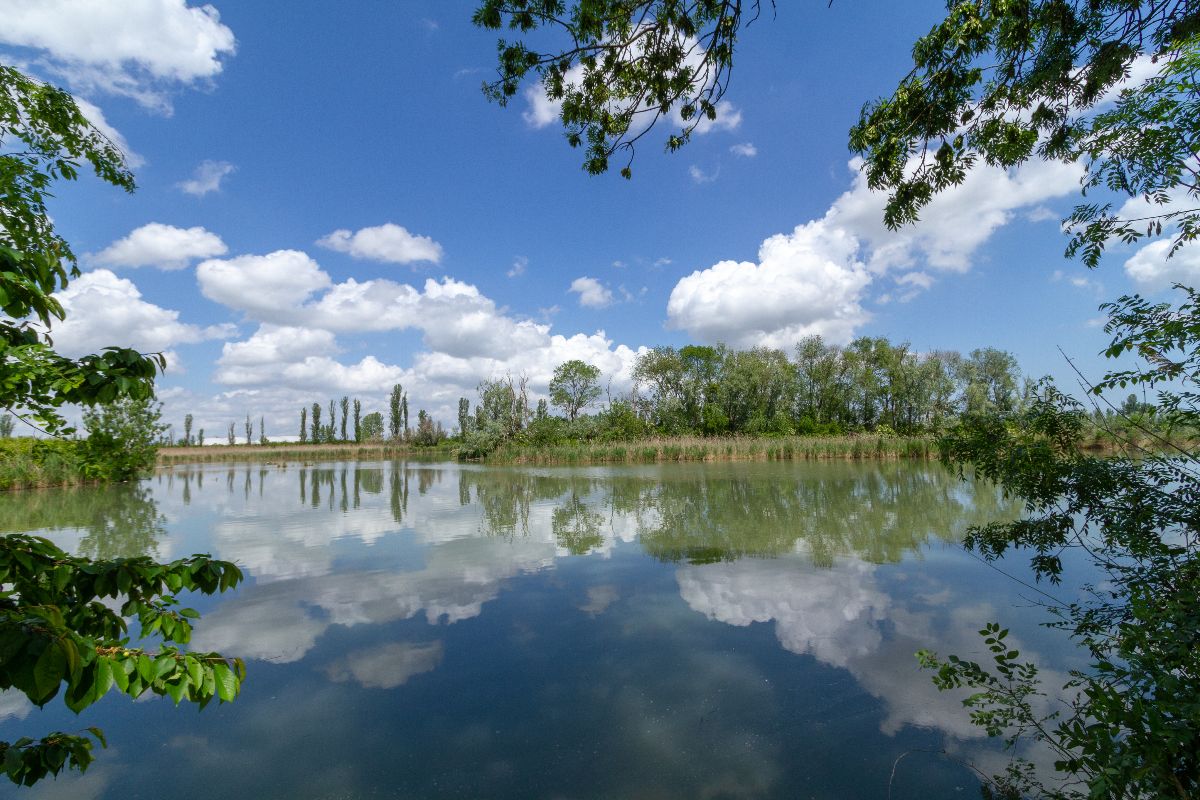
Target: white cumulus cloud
x=744, y=149
x=592, y=293
x=806, y=282
x=136, y=48
x=266, y=287
x=815, y=280
x=1152, y=270
x=103, y=309
x=388, y=242
x=467, y=336
x=162, y=246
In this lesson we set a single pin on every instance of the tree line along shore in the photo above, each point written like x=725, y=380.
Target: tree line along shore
x=871, y=399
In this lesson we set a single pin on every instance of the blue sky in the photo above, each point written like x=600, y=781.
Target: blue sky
x=327, y=205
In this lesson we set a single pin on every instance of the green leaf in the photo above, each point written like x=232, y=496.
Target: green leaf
x=175, y=690
x=48, y=672
x=227, y=684
x=146, y=669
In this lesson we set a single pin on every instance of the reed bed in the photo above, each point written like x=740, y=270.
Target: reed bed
x=684, y=449
x=168, y=456
x=27, y=463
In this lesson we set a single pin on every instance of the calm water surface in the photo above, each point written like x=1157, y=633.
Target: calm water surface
x=673, y=631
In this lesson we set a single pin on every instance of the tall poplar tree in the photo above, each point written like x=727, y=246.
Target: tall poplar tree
x=394, y=411
x=464, y=416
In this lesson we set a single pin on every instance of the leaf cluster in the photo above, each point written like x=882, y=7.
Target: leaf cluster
x=1004, y=81
x=620, y=66
x=64, y=630
x=1131, y=723
x=44, y=137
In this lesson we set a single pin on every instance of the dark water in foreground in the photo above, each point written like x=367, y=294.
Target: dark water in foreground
x=671, y=631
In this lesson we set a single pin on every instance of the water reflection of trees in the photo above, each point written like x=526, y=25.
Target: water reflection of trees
x=577, y=528
x=875, y=512
x=119, y=521
x=684, y=513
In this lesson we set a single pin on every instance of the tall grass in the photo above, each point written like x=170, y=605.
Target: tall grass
x=28, y=463
x=295, y=452
x=682, y=449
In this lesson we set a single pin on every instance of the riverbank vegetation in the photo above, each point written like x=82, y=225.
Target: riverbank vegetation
x=870, y=399
x=120, y=445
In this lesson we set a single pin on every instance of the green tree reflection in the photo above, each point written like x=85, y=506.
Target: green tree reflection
x=118, y=521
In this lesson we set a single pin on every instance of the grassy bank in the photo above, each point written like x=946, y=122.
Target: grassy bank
x=28, y=463
x=799, y=448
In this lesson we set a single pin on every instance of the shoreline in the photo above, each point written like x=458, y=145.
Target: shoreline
x=641, y=451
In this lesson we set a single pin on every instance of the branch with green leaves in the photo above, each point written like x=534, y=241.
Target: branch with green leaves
x=44, y=137
x=621, y=65
x=58, y=635
x=1004, y=81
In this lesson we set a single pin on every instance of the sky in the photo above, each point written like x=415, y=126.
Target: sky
x=327, y=205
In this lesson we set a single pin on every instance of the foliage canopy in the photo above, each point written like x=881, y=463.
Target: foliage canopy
x=58, y=635
x=44, y=137
x=622, y=67
x=1108, y=83
x=63, y=619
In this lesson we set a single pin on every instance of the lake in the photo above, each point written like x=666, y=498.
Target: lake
x=413, y=630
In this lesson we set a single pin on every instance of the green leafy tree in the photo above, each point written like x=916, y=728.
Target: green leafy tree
x=464, y=416
x=428, y=432
x=249, y=430
x=372, y=427
x=187, y=429
x=44, y=137
x=989, y=380
x=345, y=405
x=262, y=430
x=200, y=438
x=122, y=438
x=6, y=425
x=303, y=425
x=230, y=436
x=317, y=430
x=1131, y=723
x=1050, y=65
x=358, y=435
x=659, y=372
x=994, y=81
x=395, y=417
x=63, y=619
x=574, y=387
